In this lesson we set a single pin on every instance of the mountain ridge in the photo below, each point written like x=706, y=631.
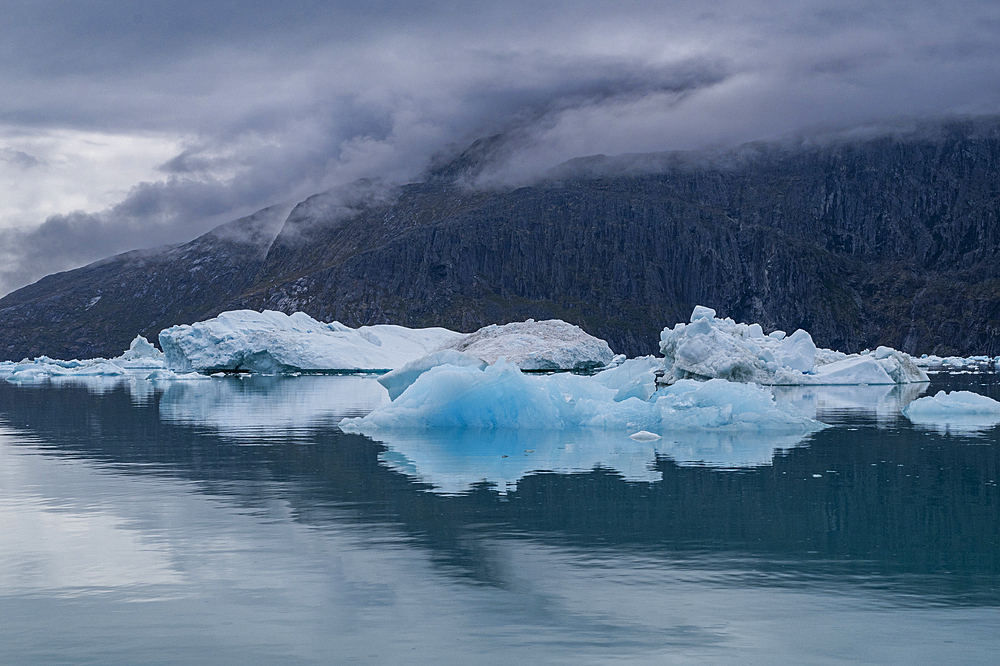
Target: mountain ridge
x=892, y=239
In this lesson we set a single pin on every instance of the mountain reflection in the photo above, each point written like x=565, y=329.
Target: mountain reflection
x=918, y=508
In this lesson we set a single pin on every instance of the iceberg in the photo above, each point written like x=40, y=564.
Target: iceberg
x=712, y=348
x=398, y=380
x=141, y=354
x=538, y=345
x=501, y=396
x=958, y=411
x=273, y=342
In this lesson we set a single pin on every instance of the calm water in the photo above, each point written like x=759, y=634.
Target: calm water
x=230, y=522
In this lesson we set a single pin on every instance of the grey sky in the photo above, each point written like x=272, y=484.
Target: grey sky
x=131, y=124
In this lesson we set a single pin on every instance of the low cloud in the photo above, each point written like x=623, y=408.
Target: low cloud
x=180, y=116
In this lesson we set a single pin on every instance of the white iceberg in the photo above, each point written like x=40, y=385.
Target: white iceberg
x=501, y=396
x=271, y=342
x=141, y=354
x=537, y=345
x=709, y=347
x=958, y=411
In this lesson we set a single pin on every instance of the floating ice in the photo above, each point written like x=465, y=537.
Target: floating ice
x=398, y=380
x=709, y=347
x=270, y=342
x=938, y=363
x=956, y=411
x=501, y=396
x=44, y=369
x=538, y=345
x=141, y=354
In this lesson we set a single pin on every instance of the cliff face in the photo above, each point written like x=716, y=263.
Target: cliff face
x=883, y=241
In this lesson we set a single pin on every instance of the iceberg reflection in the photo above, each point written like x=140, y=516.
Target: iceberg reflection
x=881, y=402
x=269, y=407
x=452, y=461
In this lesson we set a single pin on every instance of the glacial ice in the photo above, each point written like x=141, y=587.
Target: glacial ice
x=709, y=347
x=957, y=411
x=937, y=363
x=537, y=345
x=141, y=354
x=140, y=358
x=398, y=380
x=501, y=396
x=273, y=342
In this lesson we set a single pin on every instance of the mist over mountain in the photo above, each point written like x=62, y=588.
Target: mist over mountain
x=889, y=238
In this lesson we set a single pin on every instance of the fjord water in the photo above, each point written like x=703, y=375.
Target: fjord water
x=229, y=521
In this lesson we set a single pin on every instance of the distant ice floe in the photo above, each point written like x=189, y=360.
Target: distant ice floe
x=141, y=358
x=957, y=411
x=939, y=363
x=709, y=347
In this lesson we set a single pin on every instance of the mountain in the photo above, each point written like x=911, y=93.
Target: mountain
x=891, y=239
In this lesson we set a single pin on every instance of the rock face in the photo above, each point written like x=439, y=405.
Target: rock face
x=886, y=241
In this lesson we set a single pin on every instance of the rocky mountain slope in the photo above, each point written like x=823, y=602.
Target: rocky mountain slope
x=887, y=240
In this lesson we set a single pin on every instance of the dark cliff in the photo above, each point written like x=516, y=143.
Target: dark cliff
x=891, y=240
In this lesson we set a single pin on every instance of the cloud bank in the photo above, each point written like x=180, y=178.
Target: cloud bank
x=133, y=124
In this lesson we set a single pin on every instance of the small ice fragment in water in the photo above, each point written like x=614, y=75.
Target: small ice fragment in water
x=644, y=436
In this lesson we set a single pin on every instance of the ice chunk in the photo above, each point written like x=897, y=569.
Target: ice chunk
x=956, y=411
x=538, y=345
x=272, y=342
x=620, y=375
x=398, y=380
x=797, y=351
x=644, y=436
x=720, y=348
x=853, y=370
x=141, y=354
x=503, y=397
x=701, y=312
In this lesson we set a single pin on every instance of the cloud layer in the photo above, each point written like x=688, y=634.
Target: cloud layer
x=133, y=124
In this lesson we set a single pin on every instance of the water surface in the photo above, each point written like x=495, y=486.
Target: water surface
x=229, y=521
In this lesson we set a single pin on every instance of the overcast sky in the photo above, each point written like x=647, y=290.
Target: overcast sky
x=133, y=124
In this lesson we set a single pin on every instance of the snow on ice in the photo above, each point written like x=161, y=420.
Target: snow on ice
x=538, y=345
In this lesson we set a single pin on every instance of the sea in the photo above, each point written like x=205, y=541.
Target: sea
x=230, y=521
